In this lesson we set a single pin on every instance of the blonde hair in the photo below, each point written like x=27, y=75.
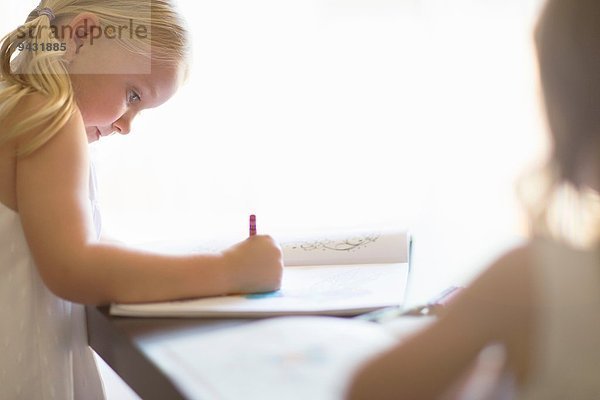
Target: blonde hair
x=45, y=72
x=567, y=42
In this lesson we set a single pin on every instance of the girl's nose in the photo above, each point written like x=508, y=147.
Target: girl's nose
x=122, y=125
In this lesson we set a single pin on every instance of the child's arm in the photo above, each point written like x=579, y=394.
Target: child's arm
x=52, y=198
x=495, y=308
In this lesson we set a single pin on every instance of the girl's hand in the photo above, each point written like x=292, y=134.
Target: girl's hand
x=254, y=265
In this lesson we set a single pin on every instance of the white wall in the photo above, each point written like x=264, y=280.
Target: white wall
x=337, y=114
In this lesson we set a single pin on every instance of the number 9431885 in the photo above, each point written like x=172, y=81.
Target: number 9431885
x=42, y=46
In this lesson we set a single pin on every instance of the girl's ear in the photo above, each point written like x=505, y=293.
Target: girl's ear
x=81, y=33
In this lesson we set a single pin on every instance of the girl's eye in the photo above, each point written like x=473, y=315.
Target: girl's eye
x=133, y=97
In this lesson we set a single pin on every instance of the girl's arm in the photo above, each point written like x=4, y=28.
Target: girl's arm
x=53, y=203
x=495, y=308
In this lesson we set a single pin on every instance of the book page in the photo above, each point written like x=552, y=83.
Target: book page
x=282, y=358
x=348, y=248
x=324, y=289
x=358, y=247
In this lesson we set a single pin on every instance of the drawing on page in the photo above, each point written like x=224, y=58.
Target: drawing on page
x=265, y=295
x=334, y=283
x=345, y=245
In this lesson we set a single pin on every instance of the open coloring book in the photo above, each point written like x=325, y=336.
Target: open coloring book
x=292, y=358
x=334, y=275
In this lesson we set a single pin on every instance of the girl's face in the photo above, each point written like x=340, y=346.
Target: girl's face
x=109, y=102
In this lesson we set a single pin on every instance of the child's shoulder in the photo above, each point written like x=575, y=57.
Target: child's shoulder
x=35, y=102
x=501, y=297
x=35, y=105
x=516, y=262
x=523, y=265
x=510, y=272
x=27, y=104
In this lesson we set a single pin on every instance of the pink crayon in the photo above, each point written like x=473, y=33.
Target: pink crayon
x=252, y=225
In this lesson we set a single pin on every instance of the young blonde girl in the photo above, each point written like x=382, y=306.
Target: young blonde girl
x=541, y=302
x=75, y=71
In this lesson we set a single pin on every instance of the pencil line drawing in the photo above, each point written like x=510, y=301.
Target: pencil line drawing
x=344, y=245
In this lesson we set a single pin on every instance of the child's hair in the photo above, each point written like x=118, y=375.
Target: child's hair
x=568, y=47
x=165, y=41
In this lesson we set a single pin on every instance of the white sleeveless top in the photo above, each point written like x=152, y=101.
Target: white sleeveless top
x=566, y=359
x=43, y=339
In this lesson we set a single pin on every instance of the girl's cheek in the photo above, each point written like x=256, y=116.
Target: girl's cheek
x=99, y=110
x=109, y=113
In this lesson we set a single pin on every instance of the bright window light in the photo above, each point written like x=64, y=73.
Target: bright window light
x=336, y=115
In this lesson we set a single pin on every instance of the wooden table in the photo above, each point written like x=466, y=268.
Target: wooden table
x=124, y=344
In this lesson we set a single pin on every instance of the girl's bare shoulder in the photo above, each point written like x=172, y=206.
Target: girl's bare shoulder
x=30, y=105
x=33, y=103
x=26, y=106
x=502, y=296
x=510, y=274
x=515, y=265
